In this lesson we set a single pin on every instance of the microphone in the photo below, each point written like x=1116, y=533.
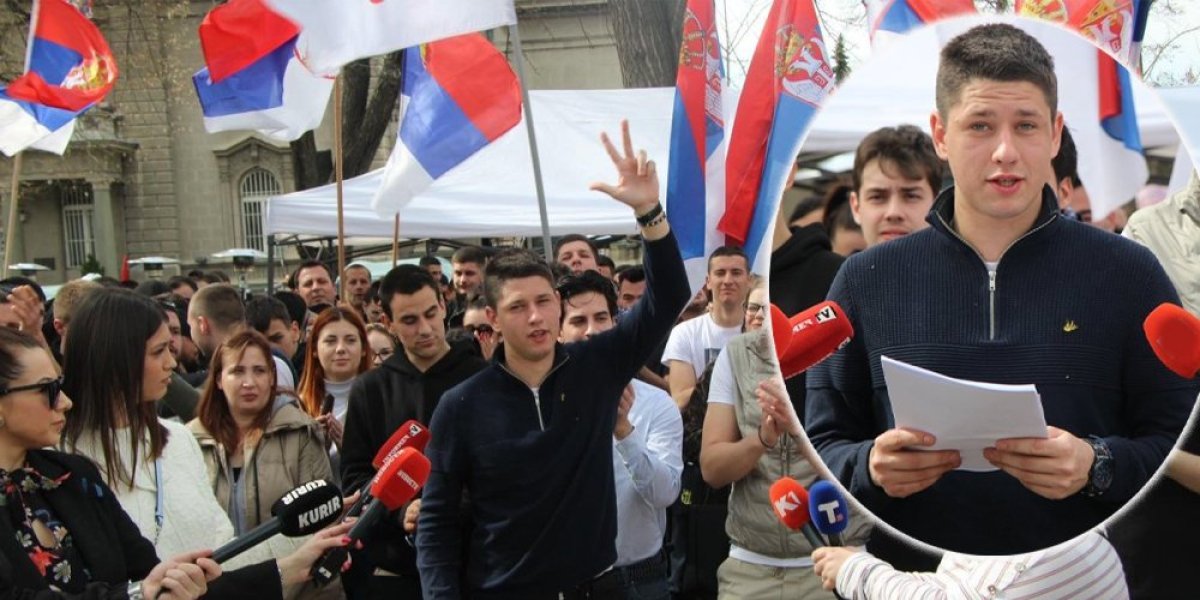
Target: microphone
x=410, y=434
x=790, y=501
x=1174, y=335
x=327, y=404
x=812, y=336
x=828, y=510
x=302, y=511
x=394, y=485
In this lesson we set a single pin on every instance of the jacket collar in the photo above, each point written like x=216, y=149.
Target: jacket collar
x=941, y=216
x=560, y=357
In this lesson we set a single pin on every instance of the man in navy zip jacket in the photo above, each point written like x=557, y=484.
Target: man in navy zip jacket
x=1001, y=289
x=528, y=440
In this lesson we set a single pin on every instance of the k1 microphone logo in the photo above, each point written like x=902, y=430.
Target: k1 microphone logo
x=787, y=503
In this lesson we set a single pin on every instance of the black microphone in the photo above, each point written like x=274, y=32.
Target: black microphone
x=302, y=511
x=400, y=478
x=327, y=404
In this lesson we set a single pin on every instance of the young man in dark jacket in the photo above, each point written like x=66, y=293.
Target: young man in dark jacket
x=529, y=439
x=406, y=386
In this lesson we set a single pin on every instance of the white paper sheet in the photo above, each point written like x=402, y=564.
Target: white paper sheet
x=962, y=415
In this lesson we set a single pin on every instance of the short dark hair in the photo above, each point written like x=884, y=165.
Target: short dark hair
x=841, y=218
x=18, y=281
x=261, y=310
x=634, y=274
x=294, y=303
x=728, y=250
x=512, y=263
x=308, y=264
x=476, y=302
x=470, y=254
x=221, y=304
x=603, y=260
x=837, y=206
x=407, y=280
x=152, y=288
x=216, y=276
x=571, y=238
x=1066, y=162
x=806, y=206
x=905, y=148
x=429, y=260
x=179, y=280
x=995, y=51
x=587, y=281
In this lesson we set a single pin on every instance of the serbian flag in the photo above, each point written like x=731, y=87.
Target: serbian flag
x=335, y=32
x=69, y=69
x=1118, y=150
x=696, y=180
x=1115, y=25
x=788, y=79
x=276, y=95
x=459, y=95
x=234, y=35
x=889, y=18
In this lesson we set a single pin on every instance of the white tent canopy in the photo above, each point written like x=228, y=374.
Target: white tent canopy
x=492, y=194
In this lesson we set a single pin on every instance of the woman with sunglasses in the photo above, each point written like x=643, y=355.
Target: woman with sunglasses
x=117, y=364
x=257, y=444
x=62, y=532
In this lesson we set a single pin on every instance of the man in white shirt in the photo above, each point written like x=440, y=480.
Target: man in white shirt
x=647, y=448
x=695, y=343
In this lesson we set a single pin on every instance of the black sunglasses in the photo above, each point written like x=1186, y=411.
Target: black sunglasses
x=52, y=389
x=472, y=329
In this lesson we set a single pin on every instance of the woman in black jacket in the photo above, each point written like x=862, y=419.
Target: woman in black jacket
x=62, y=532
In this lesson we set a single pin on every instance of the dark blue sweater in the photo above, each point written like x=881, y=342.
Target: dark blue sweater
x=543, y=508
x=1065, y=314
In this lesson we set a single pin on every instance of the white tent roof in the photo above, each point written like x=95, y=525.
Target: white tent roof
x=492, y=194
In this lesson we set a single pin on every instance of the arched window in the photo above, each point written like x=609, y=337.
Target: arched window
x=257, y=185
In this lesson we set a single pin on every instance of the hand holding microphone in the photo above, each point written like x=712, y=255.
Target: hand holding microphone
x=809, y=337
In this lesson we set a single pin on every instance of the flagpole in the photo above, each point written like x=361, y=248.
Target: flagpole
x=337, y=173
x=396, y=241
x=533, y=151
x=10, y=229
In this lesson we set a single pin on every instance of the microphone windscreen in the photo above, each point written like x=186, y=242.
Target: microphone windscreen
x=400, y=478
x=1174, y=334
x=790, y=501
x=827, y=508
x=411, y=434
x=308, y=508
x=816, y=333
x=781, y=330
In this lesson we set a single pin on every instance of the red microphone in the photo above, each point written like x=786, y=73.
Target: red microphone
x=790, y=501
x=811, y=336
x=411, y=434
x=1174, y=335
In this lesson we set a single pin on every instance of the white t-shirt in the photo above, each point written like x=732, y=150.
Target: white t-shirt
x=697, y=342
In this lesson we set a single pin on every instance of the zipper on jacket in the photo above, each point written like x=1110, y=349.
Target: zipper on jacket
x=537, y=406
x=992, y=273
x=537, y=402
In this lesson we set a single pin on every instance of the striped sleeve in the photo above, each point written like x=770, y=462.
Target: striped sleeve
x=864, y=577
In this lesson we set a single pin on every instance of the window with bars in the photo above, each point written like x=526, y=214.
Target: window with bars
x=257, y=185
x=78, y=214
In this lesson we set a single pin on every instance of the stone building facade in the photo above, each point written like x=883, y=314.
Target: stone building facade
x=142, y=178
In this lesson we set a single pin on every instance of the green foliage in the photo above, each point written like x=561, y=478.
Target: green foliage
x=841, y=60
x=91, y=265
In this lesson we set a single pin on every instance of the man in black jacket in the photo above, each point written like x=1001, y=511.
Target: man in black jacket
x=407, y=386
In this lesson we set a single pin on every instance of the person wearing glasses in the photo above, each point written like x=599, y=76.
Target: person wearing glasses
x=117, y=364
x=406, y=386
x=475, y=324
x=383, y=344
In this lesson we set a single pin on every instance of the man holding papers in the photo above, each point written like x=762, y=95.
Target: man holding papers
x=1000, y=289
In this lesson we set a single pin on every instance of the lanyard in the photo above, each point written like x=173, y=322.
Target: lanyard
x=159, y=517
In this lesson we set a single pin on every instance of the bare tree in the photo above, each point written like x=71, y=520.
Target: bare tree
x=647, y=33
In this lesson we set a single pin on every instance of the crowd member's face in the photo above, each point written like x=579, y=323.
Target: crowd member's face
x=284, y=337
x=419, y=322
x=756, y=309
x=314, y=286
x=29, y=422
x=629, y=293
x=381, y=345
x=176, y=329
x=158, y=365
x=999, y=138
x=374, y=311
x=358, y=282
x=577, y=256
x=247, y=381
x=846, y=241
x=728, y=280
x=475, y=318
x=585, y=315
x=527, y=315
x=340, y=350
x=606, y=271
x=435, y=271
x=467, y=277
x=889, y=205
x=184, y=291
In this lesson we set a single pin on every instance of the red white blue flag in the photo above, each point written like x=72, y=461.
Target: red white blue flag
x=69, y=69
x=459, y=94
x=888, y=18
x=789, y=78
x=1115, y=25
x=696, y=180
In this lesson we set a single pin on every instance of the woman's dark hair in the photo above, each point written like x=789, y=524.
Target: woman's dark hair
x=102, y=369
x=11, y=342
x=213, y=410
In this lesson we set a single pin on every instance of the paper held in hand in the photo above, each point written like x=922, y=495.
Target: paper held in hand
x=962, y=415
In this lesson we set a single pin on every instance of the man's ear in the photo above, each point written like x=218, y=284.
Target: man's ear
x=938, y=128
x=59, y=327
x=854, y=208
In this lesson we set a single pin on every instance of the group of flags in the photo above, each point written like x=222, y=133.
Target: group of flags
x=270, y=64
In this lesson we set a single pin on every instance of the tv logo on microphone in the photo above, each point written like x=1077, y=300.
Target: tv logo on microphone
x=826, y=314
x=315, y=515
x=293, y=495
x=830, y=510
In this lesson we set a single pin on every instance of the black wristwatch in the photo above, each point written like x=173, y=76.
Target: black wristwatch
x=1101, y=475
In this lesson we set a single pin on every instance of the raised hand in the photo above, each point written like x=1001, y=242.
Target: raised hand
x=637, y=177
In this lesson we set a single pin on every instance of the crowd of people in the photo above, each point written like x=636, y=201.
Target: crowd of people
x=599, y=431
